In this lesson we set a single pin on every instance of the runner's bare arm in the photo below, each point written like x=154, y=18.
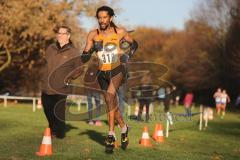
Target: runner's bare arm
x=215, y=95
x=89, y=48
x=228, y=99
x=133, y=45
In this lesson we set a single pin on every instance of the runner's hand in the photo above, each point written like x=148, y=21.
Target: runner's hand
x=124, y=58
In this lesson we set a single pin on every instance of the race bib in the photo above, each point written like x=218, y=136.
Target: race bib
x=224, y=100
x=109, y=54
x=218, y=99
x=108, y=57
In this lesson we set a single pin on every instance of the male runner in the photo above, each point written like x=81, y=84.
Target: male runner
x=106, y=42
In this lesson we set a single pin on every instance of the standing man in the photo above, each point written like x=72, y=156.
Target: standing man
x=145, y=98
x=188, y=100
x=60, y=56
x=106, y=42
x=121, y=98
x=92, y=90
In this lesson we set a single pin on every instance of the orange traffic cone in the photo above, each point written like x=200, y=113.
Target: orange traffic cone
x=158, y=133
x=145, y=140
x=46, y=146
x=154, y=136
x=39, y=104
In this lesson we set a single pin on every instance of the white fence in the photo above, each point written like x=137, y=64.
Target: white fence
x=78, y=99
x=33, y=99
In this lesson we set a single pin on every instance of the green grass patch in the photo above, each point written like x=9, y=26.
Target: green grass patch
x=22, y=129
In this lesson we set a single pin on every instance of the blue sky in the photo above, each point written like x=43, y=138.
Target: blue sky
x=166, y=14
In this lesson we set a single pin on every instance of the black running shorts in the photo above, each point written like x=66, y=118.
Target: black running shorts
x=104, y=77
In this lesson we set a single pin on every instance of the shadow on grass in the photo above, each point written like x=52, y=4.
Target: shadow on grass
x=234, y=110
x=188, y=126
x=225, y=128
x=69, y=127
x=95, y=136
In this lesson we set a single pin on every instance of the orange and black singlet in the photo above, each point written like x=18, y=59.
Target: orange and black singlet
x=109, y=55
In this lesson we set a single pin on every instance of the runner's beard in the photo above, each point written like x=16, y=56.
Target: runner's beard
x=104, y=27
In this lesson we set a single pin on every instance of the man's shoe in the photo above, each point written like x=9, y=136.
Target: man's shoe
x=91, y=122
x=60, y=135
x=109, y=144
x=124, y=139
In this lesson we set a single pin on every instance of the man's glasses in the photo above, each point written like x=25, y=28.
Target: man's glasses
x=62, y=33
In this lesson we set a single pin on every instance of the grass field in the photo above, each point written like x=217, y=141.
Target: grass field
x=21, y=135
